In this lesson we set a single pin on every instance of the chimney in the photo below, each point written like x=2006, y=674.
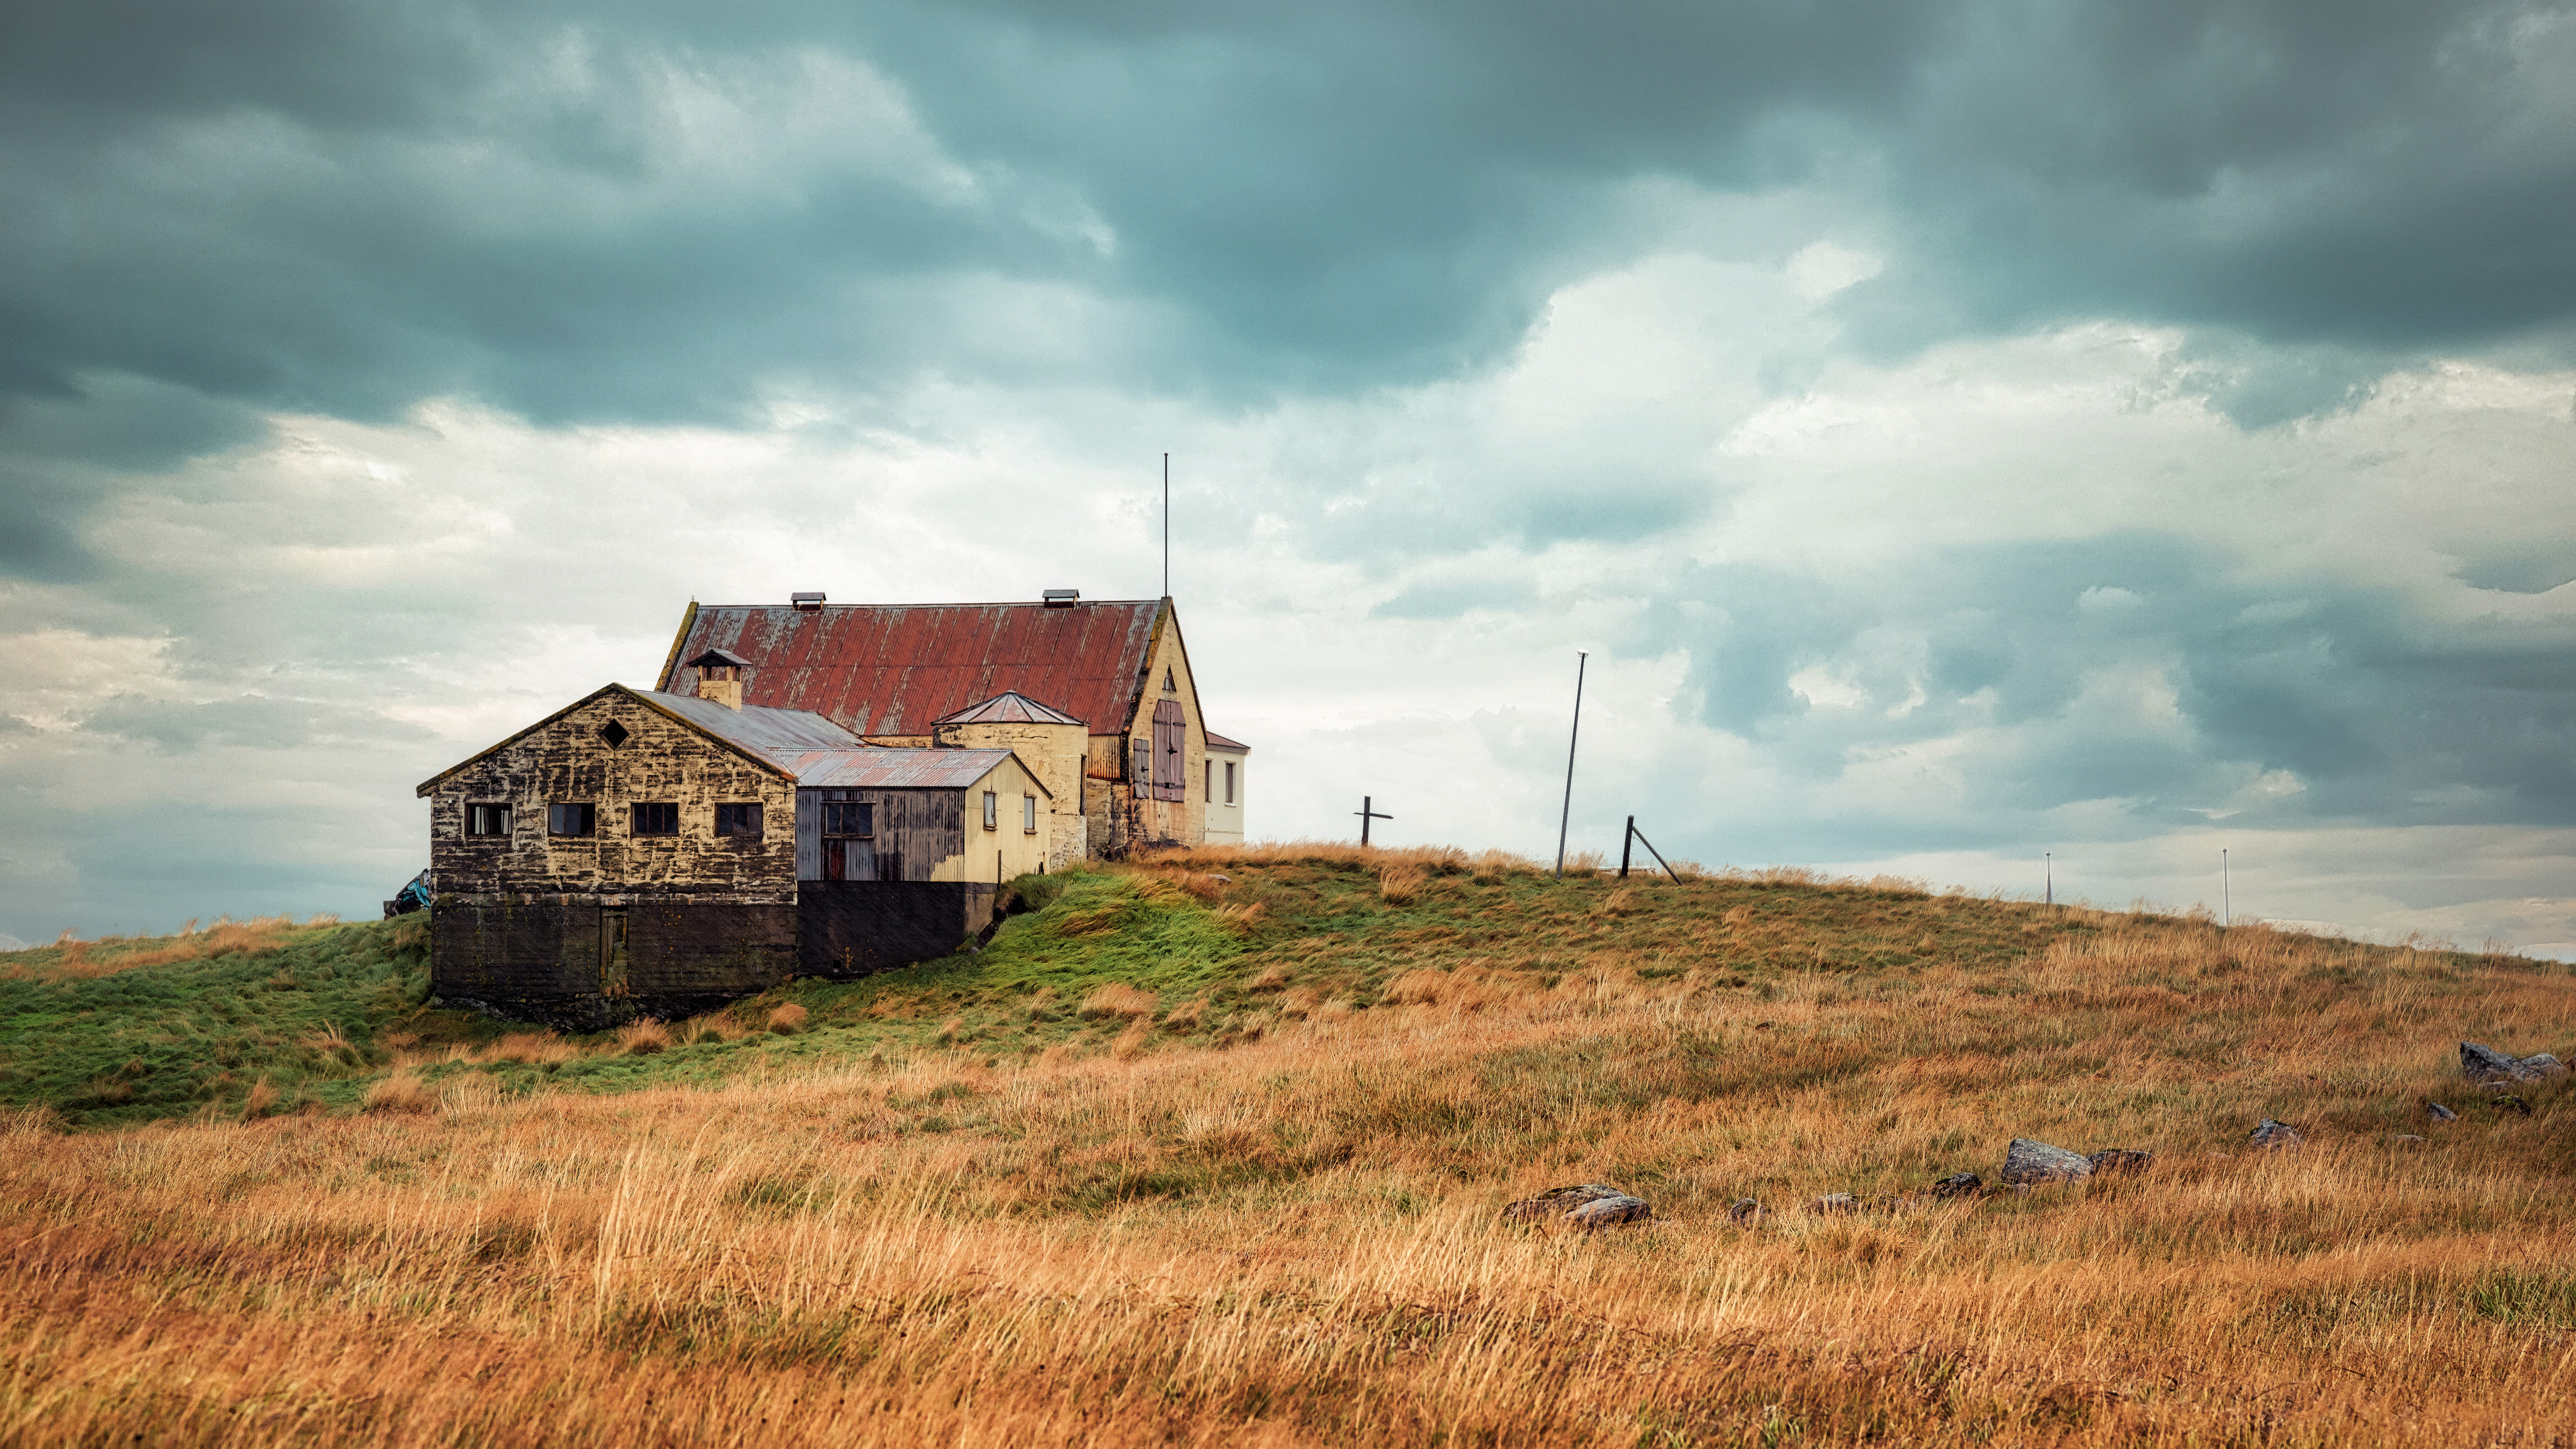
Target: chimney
x=806, y=603
x=1062, y=598
x=720, y=677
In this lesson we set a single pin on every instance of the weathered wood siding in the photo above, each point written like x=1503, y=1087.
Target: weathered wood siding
x=937, y=835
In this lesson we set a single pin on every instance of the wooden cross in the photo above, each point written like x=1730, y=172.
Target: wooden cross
x=1367, y=813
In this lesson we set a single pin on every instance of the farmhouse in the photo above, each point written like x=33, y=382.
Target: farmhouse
x=813, y=791
x=1140, y=770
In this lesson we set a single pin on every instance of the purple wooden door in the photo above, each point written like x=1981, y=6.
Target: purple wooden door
x=1171, y=736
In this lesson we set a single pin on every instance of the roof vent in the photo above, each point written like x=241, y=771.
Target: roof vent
x=806, y=603
x=1063, y=598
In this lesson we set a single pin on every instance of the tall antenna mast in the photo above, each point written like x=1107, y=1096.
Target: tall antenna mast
x=1167, y=525
x=1580, y=655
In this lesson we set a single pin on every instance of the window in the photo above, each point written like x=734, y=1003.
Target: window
x=1229, y=782
x=487, y=819
x=572, y=819
x=1029, y=813
x=853, y=820
x=738, y=820
x=992, y=811
x=614, y=733
x=1211, y=782
x=657, y=818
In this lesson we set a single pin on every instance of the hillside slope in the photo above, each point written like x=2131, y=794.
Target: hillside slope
x=1183, y=1158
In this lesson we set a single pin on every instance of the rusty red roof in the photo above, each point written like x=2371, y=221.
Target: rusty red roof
x=1009, y=707
x=895, y=669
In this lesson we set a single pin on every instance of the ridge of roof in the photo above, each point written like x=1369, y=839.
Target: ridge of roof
x=1221, y=742
x=891, y=670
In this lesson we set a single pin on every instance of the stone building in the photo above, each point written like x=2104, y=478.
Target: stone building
x=1106, y=706
x=650, y=853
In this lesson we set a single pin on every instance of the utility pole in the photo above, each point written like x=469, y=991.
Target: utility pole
x=1581, y=656
x=1167, y=525
x=1368, y=812
x=2048, y=874
x=1627, y=838
x=2226, y=893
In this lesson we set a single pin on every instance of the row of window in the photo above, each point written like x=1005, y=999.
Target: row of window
x=581, y=817
x=1028, y=812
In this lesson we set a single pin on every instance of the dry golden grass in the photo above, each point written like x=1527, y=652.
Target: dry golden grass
x=403, y=1091
x=69, y=957
x=1118, y=999
x=644, y=1037
x=788, y=1019
x=1296, y=1240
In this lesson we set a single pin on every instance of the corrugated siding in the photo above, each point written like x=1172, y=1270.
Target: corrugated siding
x=809, y=835
x=896, y=669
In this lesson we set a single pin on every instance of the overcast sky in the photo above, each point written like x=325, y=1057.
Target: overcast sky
x=1959, y=429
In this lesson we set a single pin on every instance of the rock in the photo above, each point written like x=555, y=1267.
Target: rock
x=1603, y=1212
x=2436, y=1113
x=2408, y=1137
x=1835, y=1202
x=1556, y=1202
x=1959, y=1184
x=2508, y=1102
x=2274, y=1136
x=2543, y=1065
x=1746, y=1212
x=2026, y=1161
x=2120, y=1161
x=2486, y=1067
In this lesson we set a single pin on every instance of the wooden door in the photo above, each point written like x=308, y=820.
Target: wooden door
x=1171, y=743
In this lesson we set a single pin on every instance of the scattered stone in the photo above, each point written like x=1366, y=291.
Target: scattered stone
x=1220, y=876
x=1556, y=1202
x=1746, y=1212
x=2508, y=1102
x=1959, y=1184
x=2027, y=1161
x=2545, y=1065
x=2436, y=1113
x=1603, y=1212
x=2120, y=1161
x=2274, y=1136
x=1835, y=1202
x=2408, y=1137
x=2486, y=1067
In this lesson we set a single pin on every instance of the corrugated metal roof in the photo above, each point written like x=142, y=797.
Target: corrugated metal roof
x=1219, y=742
x=776, y=735
x=895, y=669
x=877, y=768
x=1010, y=707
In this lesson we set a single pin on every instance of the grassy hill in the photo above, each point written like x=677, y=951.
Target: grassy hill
x=1213, y=1150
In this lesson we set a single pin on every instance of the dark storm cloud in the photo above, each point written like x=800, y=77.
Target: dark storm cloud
x=2142, y=669
x=348, y=207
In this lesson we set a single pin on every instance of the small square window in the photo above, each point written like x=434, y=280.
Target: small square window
x=657, y=818
x=854, y=820
x=741, y=820
x=580, y=819
x=992, y=810
x=1029, y=813
x=487, y=819
x=616, y=734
